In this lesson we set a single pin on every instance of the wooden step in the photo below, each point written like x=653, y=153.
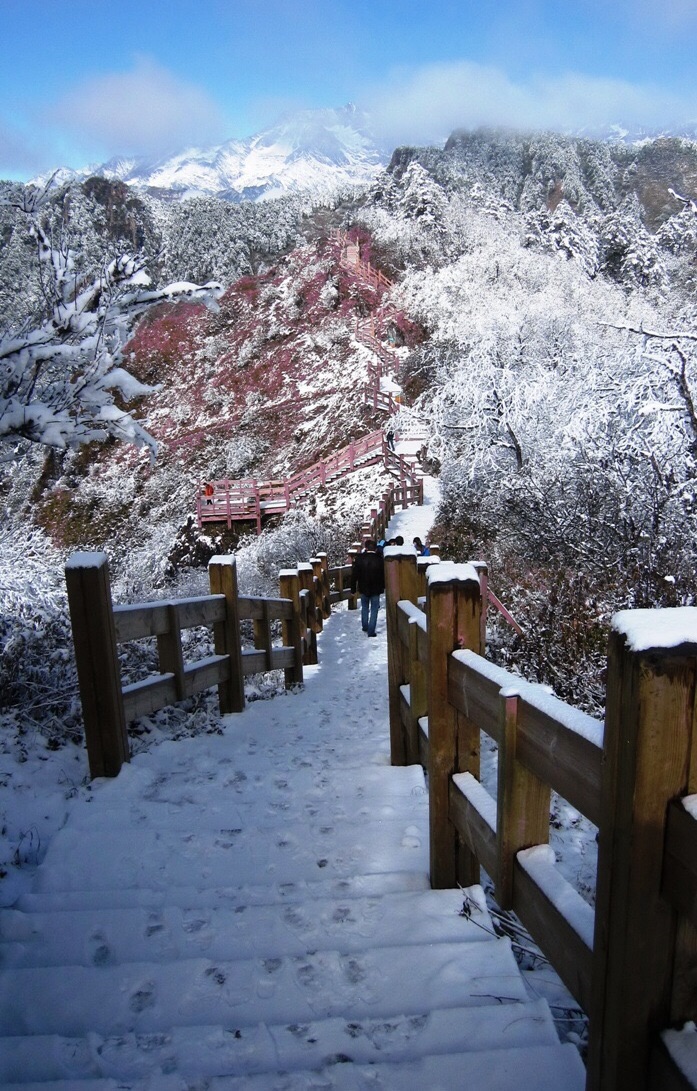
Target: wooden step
x=315, y=1045
x=153, y=997
x=91, y=937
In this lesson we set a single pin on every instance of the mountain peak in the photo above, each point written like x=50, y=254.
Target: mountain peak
x=318, y=149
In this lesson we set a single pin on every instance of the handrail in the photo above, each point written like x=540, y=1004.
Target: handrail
x=629, y=963
x=99, y=627
x=250, y=499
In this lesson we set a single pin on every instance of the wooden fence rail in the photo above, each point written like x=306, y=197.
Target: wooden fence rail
x=632, y=962
x=307, y=593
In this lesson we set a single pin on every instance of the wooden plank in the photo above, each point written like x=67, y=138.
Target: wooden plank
x=569, y=762
x=262, y=634
x=648, y=737
x=554, y=934
x=99, y=676
x=472, y=827
x=169, y=649
x=475, y=696
x=400, y=585
x=205, y=673
x=423, y=741
x=147, y=696
x=256, y=661
x=222, y=573
x=408, y=723
x=147, y=619
x=256, y=609
x=205, y=610
x=418, y=692
x=140, y=620
x=453, y=608
x=679, y=883
x=289, y=584
x=523, y=803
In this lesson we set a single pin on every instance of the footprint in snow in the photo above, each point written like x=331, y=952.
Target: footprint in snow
x=143, y=998
x=99, y=950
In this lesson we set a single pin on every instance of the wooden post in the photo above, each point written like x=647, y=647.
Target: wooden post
x=306, y=577
x=453, y=609
x=353, y=599
x=418, y=691
x=400, y=583
x=522, y=803
x=318, y=592
x=648, y=759
x=326, y=589
x=262, y=634
x=169, y=650
x=289, y=584
x=222, y=575
x=483, y=573
x=94, y=637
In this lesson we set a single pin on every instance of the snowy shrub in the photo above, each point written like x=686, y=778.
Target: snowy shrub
x=38, y=684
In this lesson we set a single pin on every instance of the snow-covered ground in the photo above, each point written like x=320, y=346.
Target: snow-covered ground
x=290, y=841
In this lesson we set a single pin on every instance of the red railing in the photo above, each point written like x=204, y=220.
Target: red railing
x=233, y=501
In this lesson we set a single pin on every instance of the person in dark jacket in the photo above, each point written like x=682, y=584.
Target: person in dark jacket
x=368, y=576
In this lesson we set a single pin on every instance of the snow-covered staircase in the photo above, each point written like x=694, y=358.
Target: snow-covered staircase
x=252, y=910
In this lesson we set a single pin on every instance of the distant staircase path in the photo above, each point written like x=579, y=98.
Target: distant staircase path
x=250, y=500
x=253, y=911
x=229, y=501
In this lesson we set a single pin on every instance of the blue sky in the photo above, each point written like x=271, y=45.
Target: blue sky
x=81, y=80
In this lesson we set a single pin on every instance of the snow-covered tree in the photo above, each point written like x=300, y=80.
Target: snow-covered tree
x=62, y=382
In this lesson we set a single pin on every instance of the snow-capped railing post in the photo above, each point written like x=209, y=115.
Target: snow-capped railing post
x=453, y=609
x=649, y=760
x=292, y=628
x=99, y=676
x=222, y=576
x=400, y=583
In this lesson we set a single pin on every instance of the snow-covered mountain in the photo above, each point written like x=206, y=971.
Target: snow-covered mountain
x=308, y=150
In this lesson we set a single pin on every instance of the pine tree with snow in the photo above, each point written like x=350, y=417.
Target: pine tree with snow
x=62, y=382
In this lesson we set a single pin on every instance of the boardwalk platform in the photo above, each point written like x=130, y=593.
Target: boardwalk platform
x=252, y=910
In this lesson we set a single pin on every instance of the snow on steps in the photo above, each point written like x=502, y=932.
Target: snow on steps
x=253, y=911
x=314, y=1055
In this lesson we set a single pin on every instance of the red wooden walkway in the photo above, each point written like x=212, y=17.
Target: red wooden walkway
x=250, y=500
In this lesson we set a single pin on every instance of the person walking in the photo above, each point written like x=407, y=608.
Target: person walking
x=368, y=576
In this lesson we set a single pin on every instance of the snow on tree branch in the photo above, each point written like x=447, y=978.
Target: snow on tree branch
x=674, y=335
x=59, y=381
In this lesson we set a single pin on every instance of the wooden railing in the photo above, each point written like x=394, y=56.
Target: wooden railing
x=232, y=501
x=307, y=594
x=632, y=963
x=351, y=259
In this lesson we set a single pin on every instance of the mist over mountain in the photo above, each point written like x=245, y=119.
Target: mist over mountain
x=319, y=151
x=307, y=150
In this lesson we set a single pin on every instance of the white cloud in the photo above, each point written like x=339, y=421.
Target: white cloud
x=145, y=110
x=18, y=154
x=427, y=104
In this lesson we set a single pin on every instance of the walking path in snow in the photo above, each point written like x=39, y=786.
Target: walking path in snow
x=252, y=910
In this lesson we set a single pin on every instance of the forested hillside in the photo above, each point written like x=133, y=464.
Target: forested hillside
x=544, y=312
